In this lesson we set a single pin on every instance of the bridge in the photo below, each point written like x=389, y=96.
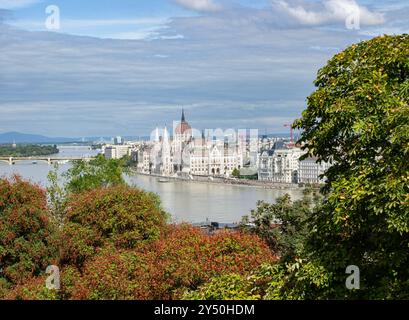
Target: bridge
x=49, y=160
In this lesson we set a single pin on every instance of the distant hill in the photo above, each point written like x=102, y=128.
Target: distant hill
x=17, y=137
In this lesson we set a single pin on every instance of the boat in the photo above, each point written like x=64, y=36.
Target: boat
x=164, y=180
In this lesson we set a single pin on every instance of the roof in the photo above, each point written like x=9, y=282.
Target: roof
x=183, y=127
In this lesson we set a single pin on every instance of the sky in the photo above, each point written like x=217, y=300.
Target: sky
x=123, y=67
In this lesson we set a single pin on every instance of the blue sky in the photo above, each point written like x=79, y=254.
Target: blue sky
x=125, y=66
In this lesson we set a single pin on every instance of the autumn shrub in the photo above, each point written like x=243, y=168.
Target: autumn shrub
x=182, y=259
x=26, y=232
x=120, y=216
x=110, y=275
x=32, y=289
x=35, y=288
x=225, y=287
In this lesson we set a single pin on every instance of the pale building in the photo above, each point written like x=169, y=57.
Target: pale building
x=311, y=171
x=116, y=152
x=215, y=158
x=187, y=155
x=280, y=164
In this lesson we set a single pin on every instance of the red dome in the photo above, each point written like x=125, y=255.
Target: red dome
x=183, y=128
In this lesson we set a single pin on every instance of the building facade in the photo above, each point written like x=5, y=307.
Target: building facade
x=184, y=154
x=312, y=172
x=116, y=152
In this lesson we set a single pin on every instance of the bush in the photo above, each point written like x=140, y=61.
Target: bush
x=121, y=216
x=26, y=233
x=32, y=289
x=184, y=258
x=226, y=287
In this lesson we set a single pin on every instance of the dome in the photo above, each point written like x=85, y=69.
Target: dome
x=183, y=127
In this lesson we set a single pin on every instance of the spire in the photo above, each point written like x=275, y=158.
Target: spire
x=156, y=138
x=183, y=115
x=165, y=135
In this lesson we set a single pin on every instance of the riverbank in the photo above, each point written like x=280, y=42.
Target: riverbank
x=27, y=150
x=224, y=181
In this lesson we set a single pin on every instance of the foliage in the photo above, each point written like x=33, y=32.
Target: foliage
x=26, y=233
x=236, y=173
x=96, y=173
x=283, y=225
x=30, y=150
x=56, y=195
x=128, y=161
x=184, y=258
x=32, y=289
x=225, y=287
x=120, y=215
x=358, y=118
x=280, y=281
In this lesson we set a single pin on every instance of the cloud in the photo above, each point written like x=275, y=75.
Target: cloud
x=328, y=12
x=4, y=15
x=15, y=4
x=199, y=5
x=250, y=64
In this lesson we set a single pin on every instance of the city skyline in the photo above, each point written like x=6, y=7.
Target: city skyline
x=125, y=67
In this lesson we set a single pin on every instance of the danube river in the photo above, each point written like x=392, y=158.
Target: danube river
x=185, y=201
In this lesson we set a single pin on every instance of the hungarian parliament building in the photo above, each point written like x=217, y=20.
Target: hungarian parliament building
x=186, y=153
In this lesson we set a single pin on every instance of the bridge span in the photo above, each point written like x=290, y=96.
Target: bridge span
x=49, y=160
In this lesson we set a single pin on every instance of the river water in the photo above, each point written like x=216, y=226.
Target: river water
x=185, y=201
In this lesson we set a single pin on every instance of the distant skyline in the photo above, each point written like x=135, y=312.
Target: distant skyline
x=124, y=67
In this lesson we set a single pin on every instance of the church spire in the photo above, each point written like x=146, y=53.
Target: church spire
x=183, y=115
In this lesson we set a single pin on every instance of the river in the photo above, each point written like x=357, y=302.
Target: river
x=185, y=201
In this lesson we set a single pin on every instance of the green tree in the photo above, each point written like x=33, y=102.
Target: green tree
x=283, y=224
x=358, y=119
x=56, y=195
x=97, y=173
x=236, y=173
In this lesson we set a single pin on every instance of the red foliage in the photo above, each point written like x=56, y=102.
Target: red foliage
x=183, y=258
x=121, y=216
x=25, y=230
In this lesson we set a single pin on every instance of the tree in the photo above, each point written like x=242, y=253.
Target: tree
x=358, y=119
x=182, y=259
x=236, y=173
x=98, y=172
x=118, y=217
x=283, y=224
x=27, y=243
x=56, y=195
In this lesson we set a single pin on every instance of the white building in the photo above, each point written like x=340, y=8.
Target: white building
x=311, y=171
x=214, y=158
x=280, y=164
x=188, y=155
x=116, y=152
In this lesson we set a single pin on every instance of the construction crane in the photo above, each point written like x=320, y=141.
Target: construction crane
x=287, y=125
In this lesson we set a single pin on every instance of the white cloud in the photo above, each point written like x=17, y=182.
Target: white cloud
x=14, y=4
x=329, y=11
x=199, y=5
